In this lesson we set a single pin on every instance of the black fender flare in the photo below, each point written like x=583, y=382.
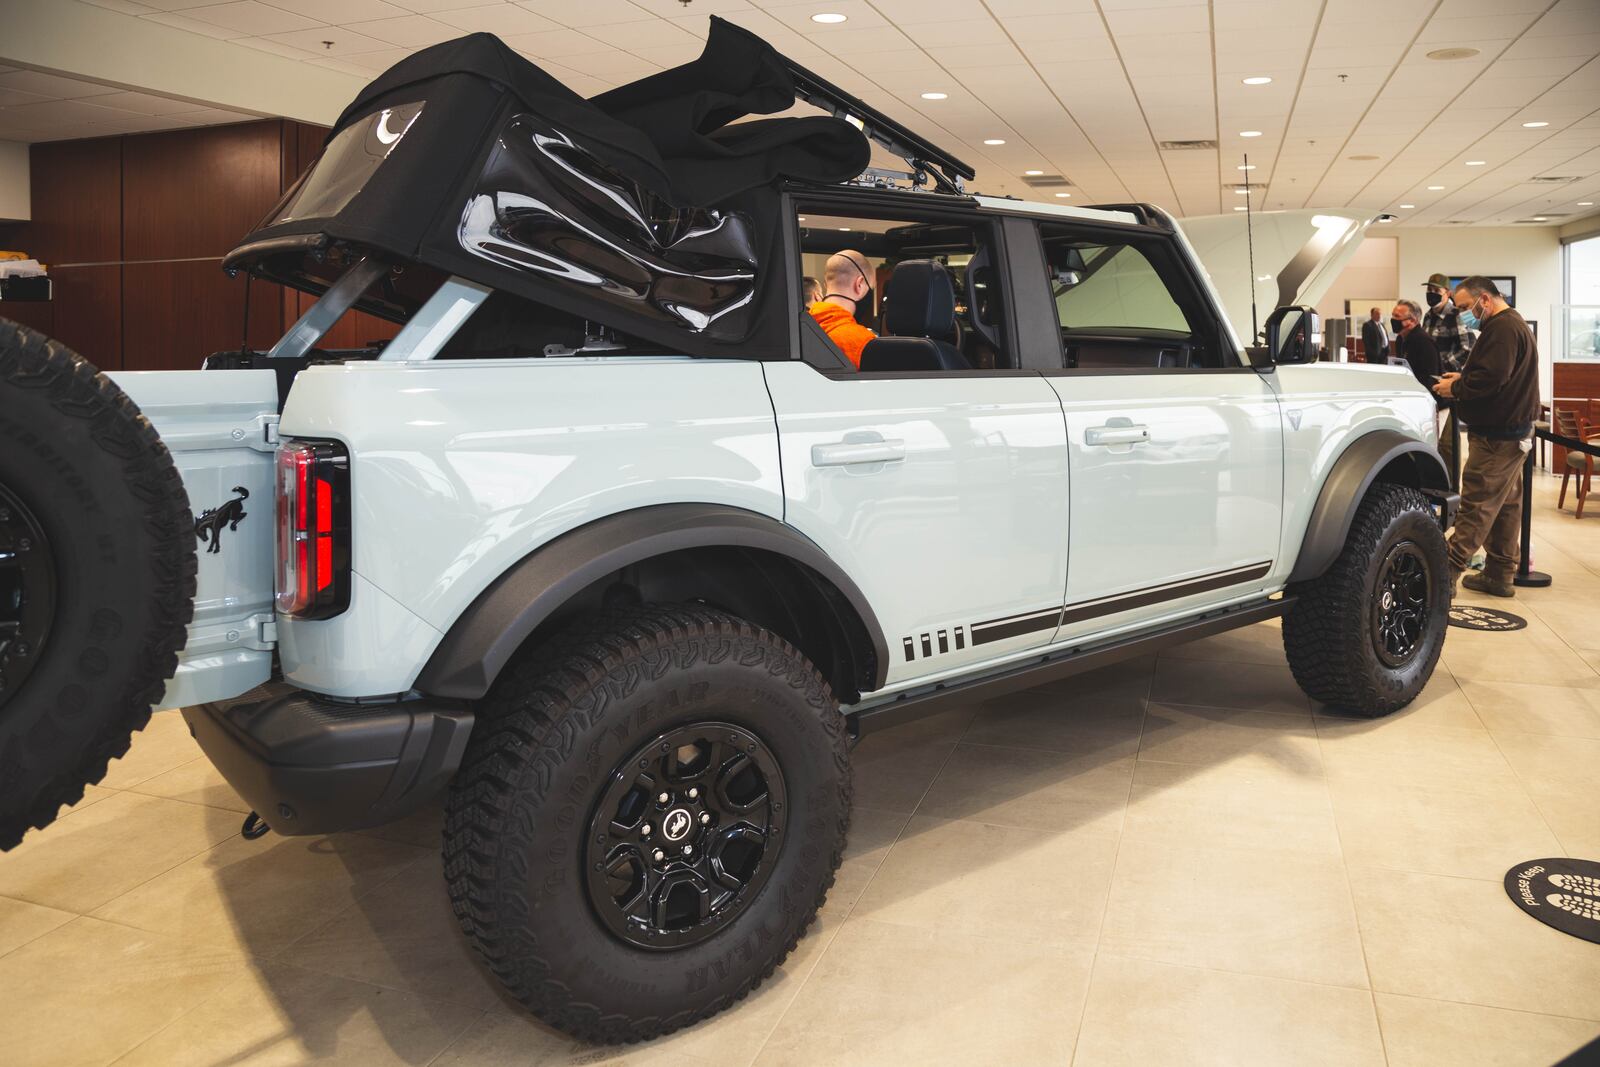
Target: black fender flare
x=1347, y=483
x=482, y=641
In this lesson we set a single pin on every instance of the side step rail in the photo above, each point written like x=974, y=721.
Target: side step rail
x=1058, y=665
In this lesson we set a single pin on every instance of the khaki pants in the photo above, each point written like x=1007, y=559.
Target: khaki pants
x=1491, y=507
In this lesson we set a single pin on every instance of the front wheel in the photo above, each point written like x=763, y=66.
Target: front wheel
x=1365, y=636
x=647, y=819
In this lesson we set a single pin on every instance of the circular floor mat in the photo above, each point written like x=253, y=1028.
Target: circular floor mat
x=1563, y=893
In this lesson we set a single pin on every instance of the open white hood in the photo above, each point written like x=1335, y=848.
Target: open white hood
x=1298, y=254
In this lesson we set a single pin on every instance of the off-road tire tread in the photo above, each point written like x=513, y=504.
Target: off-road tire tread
x=1322, y=645
x=74, y=388
x=551, y=685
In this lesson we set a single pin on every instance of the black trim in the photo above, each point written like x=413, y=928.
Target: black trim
x=1063, y=664
x=490, y=631
x=1140, y=598
x=1015, y=625
x=1346, y=485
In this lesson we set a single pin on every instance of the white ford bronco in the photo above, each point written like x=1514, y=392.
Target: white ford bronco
x=614, y=546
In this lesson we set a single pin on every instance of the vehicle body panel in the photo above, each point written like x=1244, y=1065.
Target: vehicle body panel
x=460, y=468
x=1199, y=496
x=220, y=429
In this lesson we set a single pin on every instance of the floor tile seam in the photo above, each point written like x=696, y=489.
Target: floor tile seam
x=516, y=1011
x=131, y=786
x=130, y=889
x=184, y=1014
x=1320, y=776
x=1105, y=904
x=135, y=790
x=1126, y=958
x=991, y=824
x=1185, y=704
x=459, y=1034
x=355, y=903
x=1078, y=948
x=1361, y=939
x=1532, y=798
x=1020, y=748
x=1494, y=1007
x=801, y=984
x=71, y=915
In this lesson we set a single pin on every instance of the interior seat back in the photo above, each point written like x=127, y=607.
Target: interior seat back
x=919, y=322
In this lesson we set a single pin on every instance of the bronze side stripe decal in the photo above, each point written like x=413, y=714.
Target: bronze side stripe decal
x=1017, y=625
x=1140, y=598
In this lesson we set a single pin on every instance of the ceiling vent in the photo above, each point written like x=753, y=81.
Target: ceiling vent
x=1540, y=221
x=1186, y=146
x=1458, y=222
x=1045, y=181
x=1553, y=179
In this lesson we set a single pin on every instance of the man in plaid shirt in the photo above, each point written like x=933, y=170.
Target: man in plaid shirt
x=1440, y=323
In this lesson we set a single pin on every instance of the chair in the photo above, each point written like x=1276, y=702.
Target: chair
x=1569, y=423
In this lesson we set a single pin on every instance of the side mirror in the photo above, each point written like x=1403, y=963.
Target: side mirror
x=1291, y=335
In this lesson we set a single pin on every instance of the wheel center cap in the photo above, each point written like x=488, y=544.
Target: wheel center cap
x=677, y=824
x=1388, y=600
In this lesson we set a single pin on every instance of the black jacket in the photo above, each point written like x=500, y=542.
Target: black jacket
x=1416, y=348
x=1374, y=341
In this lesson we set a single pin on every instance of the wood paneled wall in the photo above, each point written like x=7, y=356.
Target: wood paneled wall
x=134, y=229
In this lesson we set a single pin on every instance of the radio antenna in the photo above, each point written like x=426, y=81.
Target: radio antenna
x=1250, y=241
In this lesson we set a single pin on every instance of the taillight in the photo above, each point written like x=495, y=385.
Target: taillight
x=313, y=529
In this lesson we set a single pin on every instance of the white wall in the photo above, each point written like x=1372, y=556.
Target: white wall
x=14, y=196
x=1371, y=273
x=1531, y=254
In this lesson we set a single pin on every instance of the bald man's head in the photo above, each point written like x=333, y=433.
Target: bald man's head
x=848, y=274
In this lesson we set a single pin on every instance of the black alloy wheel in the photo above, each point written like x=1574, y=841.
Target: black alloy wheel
x=1400, y=604
x=27, y=593
x=681, y=839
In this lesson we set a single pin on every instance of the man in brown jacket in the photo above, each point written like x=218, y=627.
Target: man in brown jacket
x=1497, y=396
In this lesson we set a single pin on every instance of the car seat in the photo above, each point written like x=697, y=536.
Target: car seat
x=919, y=320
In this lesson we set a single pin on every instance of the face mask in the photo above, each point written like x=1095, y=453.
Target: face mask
x=1467, y=319
x=1396, y=325
x=1434, y=298
x=864, y=309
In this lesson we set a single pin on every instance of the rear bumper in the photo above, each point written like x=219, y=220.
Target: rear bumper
x=309, y=765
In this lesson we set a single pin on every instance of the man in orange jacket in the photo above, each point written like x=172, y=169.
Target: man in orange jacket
x=846, y=283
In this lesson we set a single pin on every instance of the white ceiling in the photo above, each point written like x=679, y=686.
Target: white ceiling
x=1087, y=88
x=35, y=106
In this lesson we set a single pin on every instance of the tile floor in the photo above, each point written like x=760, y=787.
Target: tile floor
x=1178, y=860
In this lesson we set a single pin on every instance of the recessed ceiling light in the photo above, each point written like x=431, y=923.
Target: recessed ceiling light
x=1063, y=194
x=1534, y=125
x=1452, y=53
x=1407, y=207
x=935, y=96
x=1435, y=188
x=1247, y=166
x=1249, y=133
x=1586, y=203
x=1539, y=218
x=1241, y=192
x=994, y=140
x=1476, y=162
x=1260, y=79
x=1033, y=173
x=802, y=218
x=1241, y=208
x=1362, y=159
x=829, y=18
x=846, y=229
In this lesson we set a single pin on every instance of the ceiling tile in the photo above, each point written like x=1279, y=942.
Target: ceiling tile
x=250, y=17
x=338, y=12
x=408, y=31
x=507, y=20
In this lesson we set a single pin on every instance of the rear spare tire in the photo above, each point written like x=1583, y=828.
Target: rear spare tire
x=1365, y=636
x=647, y=819
x=97, y=575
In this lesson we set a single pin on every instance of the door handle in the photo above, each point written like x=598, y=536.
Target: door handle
x=1116, y=434
x=845, y=453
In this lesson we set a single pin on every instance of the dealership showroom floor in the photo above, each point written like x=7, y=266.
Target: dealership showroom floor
x=1178, y=860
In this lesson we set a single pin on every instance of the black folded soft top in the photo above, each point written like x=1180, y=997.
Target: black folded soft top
x=649, y=208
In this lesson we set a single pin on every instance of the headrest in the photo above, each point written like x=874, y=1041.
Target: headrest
x=919, y=301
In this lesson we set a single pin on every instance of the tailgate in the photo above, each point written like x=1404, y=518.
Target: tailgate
x=221, y=427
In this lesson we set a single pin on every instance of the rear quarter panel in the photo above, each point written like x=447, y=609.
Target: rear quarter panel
x=1325, y=407
x=461, y=468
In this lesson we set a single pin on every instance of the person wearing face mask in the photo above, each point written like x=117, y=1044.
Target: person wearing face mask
x=1412, y=343
x=1441, y=322
x=847, y=288
x=1497, y=396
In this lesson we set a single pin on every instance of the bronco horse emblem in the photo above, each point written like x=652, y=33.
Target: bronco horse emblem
x=209, y=523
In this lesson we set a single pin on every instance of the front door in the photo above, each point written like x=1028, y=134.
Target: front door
x=1176, y=451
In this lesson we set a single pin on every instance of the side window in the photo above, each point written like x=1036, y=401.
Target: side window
x=900, y=294
x=1114, y=306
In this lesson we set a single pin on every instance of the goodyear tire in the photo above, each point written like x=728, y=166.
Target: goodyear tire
x=97, y=575
x=647, y=820
x=1366, y=636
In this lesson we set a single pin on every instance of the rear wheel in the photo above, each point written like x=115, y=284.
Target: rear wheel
x=1366, y=636
x=648, y=818
x=97, y=574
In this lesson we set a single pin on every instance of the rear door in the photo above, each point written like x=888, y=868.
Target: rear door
x=221, y=428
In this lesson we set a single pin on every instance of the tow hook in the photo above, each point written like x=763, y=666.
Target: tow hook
x=254, y=827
